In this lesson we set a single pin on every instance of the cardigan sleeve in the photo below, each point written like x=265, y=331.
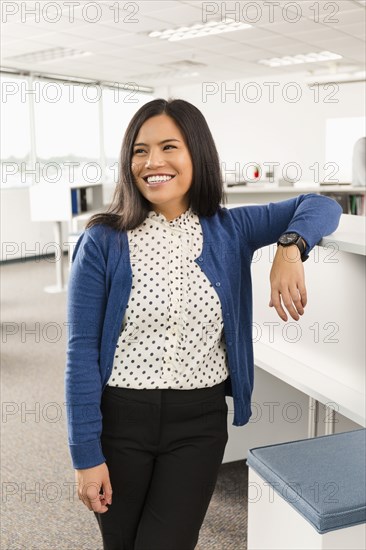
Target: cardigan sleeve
x=86, y=302
x=310, y=215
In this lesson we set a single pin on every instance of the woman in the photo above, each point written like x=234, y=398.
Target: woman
x=160, y=317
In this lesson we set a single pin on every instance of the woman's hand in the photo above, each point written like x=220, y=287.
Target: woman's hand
x=288, y=280
x=89, y=483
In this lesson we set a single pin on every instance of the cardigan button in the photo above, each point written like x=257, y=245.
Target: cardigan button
x=229, y=343
x=200, y=259
x=218, y=284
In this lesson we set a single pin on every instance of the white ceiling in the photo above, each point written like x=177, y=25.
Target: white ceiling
x=123, y=52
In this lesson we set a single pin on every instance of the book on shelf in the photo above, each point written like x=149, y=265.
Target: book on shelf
x=74, y=201
x=80, y=198
x=83, y=203
x=351, y=204
x=357, y=204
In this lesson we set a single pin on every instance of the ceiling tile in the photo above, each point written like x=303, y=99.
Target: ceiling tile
x=346, y=43
x=296, y=48
x=156, y=46
x=156, y=60
x=327, y=10
x=44, y=25
x=151, y=6
x=100, y=47
x=97, y=32
x=16, y=31
x=347, y=5
x=346, y=18
x=245, y=35
x=178, y=16
x=269, y=43
x=221, y=46
x=286, y=28
x=28, y=46
x=320, y=35
x=252, y=55
x=130, y=40
x=145, y=23
x=10, y=50
x=359, y=56
x=357, y=29
x=52, y=40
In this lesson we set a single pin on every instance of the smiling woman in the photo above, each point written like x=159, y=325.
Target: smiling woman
x=165, y=137
x=161, y=317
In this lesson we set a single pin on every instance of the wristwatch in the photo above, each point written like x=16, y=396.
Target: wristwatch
x=286, y=239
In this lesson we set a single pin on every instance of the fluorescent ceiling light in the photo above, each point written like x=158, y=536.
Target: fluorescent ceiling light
x=78, y=80
x=198, y=29
x=301, y=58
x=48, y=55
x=336, y=78
x=186, y=75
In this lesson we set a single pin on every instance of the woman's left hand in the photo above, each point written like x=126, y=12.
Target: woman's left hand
x=288, y=281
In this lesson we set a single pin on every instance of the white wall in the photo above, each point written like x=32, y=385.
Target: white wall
x=266, y=130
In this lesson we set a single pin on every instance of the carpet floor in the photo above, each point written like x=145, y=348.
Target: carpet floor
x=40, y=508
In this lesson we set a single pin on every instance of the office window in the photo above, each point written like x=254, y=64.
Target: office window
x=15, y=132
x=67, y=132
x=118, y=108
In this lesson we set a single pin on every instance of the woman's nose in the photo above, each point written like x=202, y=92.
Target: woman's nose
x=154, y=159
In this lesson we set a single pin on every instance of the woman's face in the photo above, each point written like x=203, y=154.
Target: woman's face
x=162, y=166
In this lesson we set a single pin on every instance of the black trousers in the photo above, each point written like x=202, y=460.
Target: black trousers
x=163, y=449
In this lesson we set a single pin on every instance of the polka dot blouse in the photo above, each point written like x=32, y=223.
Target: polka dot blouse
x=172, y=332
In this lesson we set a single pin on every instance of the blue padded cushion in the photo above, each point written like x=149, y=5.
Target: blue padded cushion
x=323, y=478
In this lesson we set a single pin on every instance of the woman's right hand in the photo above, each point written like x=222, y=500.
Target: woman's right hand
x=89, y=482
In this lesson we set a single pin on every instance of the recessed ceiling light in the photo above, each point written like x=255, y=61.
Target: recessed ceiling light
x=198, y=29
x=333, y=78
x=312, y=57
x=48, y=55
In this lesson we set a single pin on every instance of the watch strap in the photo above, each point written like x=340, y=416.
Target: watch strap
x=300, y=243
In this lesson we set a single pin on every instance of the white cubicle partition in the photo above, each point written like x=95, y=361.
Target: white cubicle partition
x=322, y=355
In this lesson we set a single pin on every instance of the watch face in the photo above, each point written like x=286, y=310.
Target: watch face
x=288, y=238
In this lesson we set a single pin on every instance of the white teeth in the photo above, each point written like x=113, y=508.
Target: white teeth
x=155, y=179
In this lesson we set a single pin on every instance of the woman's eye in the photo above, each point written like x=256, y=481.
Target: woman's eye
x=137, y=151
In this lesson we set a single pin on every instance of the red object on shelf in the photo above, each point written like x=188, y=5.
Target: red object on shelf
x=256, y=172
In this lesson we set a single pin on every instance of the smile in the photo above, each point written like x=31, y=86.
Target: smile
x=154, y=181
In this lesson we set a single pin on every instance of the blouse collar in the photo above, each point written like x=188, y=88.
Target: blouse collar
x=178, y=222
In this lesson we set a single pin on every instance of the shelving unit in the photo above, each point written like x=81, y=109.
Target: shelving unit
x=51, y=202
x=352, y=199
x=59, y=202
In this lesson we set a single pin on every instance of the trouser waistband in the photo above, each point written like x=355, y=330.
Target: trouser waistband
x=169, y=395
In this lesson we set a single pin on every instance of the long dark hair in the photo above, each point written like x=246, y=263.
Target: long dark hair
x=129, y=207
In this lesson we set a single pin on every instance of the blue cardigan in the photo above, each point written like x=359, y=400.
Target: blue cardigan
x=100, y=282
